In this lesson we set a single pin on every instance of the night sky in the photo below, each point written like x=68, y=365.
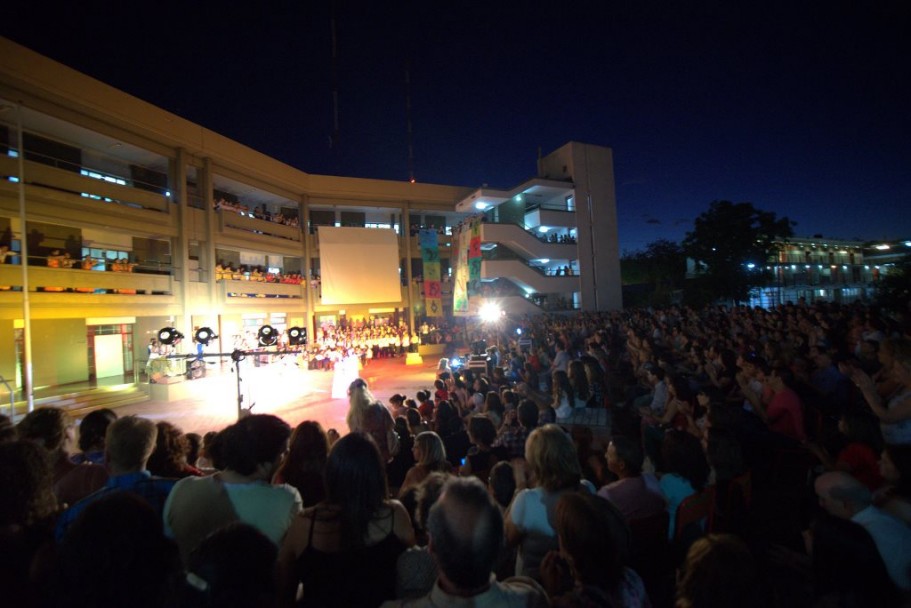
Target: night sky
x=801, y=108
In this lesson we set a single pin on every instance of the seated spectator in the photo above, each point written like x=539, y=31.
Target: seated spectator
x=719, y=571
x=634, y=494
x=235, y=566
x=843, y=496
x=400, y=464
x=482, y=455
x=116, y=554
x=91, y=436
x=378, y=423
x=553, y=464
x=686, y=472
x=591, y=554
x=27, y=509
x=304, y=467
x=357, y=534
x=466, y=529
x=847, y=567
x=429, y=456
x=859, y=454
x=195, y=442
x=416, y=571
x=50, y=427
x=894, y=496
x=251, y=449
x=448, y=425
x=518, y=424
x=169, y=458
x=128, y=444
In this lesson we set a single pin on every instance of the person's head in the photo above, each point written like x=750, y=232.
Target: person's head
x=527, y=414
x=27, y=479
x=682, y=455
x=356, y=483
x=194, y=440
x=429, y=450
x=502, y=483
x=466, y=533
x=895, y=467
x=719, y=571
x=552, y=458
x=481, y=430
x=492, y=401
x=254, y=445
x=129, y=443
x=414, y=419
x=208, y=449
x=49, y=426
x=428, y=492
x=93, y=428
x=132, y=562
x=7, y=429
x=841, y=495
x=624, y=457
x=170, y=453
x=861, y=428
x=232, y=567
x=587, y=528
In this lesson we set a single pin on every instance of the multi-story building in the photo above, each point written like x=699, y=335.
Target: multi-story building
x=120, y=218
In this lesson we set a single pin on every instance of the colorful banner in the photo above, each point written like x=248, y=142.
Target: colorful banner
x=460, y=271
x=474, y=258
x=430, y=254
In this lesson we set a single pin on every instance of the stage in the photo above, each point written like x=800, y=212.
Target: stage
x=280, y=388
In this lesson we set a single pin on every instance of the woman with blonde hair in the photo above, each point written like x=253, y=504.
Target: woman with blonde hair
x=429, y=457
x=554, y=467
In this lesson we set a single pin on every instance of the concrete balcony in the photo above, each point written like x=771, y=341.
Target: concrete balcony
x=272, y=294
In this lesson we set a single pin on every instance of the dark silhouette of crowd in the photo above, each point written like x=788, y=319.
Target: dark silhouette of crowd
x=745, y=457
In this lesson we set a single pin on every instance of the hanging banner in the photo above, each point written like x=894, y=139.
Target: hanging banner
x=430, y=254
x=460, y=273
x=474, y=258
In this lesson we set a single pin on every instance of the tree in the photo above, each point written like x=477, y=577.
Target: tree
x=893, y=290
x=660, y=267
x=731, y=244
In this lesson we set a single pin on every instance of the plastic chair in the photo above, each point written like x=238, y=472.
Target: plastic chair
x=693, y=511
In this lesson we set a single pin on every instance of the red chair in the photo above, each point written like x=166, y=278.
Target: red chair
x=696, y=510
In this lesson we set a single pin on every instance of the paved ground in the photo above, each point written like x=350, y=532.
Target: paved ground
x=286, y=391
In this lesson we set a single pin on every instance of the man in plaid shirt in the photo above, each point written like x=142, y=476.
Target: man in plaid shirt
x=517, y=424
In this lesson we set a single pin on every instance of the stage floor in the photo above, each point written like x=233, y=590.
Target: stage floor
x=295, y=395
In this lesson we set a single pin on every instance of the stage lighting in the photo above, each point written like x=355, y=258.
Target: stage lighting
x=490, y=313
x=267, y=335
x=297, y=336
x=169, y=336
x=204, y=335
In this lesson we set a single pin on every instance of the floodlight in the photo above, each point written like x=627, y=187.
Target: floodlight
x=204, y=335
x=297, y=336
x=267, y=335
x=169, y=336
x=490, y=313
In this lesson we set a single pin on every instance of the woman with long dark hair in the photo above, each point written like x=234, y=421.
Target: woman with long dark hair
x=344, y=550
x=304, y=467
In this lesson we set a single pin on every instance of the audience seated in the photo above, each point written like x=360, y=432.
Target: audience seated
x=251, y=449
x=356, y=534
x=466, y=531
x=635, y=494
x=304, y=467
x=128, y=444
x=91, y=436
x=719, y=571
x=416, y=571
x=169, y=458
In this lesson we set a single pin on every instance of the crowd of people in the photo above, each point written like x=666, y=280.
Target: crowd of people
x=260, y=212
x=225, y=271
x=754, y=457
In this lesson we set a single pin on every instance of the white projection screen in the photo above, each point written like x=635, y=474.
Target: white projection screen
x=359, y=265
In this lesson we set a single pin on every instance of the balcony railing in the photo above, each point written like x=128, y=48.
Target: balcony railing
x=51, y=280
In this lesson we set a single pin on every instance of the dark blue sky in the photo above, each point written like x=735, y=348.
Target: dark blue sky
x=801, y=108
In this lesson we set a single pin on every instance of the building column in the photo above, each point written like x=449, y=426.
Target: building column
x=409, y=291
x=304, y=215
x=182, y=246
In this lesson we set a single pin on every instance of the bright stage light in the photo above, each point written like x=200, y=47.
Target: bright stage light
x=169, y=335
x=204, y=335
x=267, y=335
x=490, y=313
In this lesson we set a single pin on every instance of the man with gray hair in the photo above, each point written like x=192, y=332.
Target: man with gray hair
x=466, y=533
x=129, y=442
x=845, y=497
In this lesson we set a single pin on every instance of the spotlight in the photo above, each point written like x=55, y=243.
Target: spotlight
x=297, y=336
x=169, y=336
x=267, y=335
x=490, y=313
x=204, y=335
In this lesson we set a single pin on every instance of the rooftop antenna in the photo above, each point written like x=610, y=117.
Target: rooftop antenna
x=408, y=120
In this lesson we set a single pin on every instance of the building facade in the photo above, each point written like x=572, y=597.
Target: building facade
x=118, y=218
